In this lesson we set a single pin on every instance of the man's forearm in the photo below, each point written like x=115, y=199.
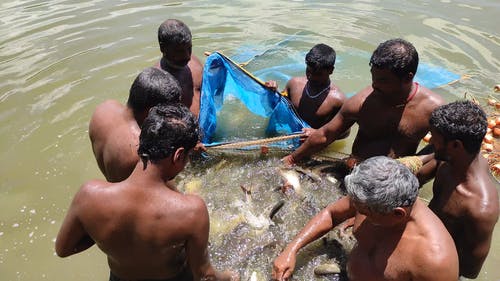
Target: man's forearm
x=318, y=226
x=313, y=144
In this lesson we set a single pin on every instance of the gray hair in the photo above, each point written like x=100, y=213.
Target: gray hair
x=382, y=184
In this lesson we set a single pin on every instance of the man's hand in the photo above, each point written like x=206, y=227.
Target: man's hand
x=283, y=266
x=271, y=84
x=308, y=132
x=288, y=160
x=199, y=148
x=228, y=275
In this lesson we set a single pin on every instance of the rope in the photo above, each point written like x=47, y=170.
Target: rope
x=255, y=142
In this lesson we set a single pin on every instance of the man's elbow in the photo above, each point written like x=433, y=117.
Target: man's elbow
x=61, y=251
x=470, y=271
x=470, y=274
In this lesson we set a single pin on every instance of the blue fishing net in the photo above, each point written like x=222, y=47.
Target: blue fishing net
x=236, y=106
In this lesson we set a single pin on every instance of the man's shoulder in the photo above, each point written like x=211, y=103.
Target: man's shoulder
x=106, y=110
x=91, y=189
x=430, y=98
x=109, y=115
x=297, y=83
x=109, y=105
x=483, y=205
x=434, y=249
x=195, y=64
x=353, y=104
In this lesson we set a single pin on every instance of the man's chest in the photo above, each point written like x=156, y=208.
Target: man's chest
x=389, y=122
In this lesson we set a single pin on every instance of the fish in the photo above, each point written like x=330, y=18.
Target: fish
x=291, y=179
x=259, y=222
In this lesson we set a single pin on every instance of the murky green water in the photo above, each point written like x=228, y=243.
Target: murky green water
x=59, y=59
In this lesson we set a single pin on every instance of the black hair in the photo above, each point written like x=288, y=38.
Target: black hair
x=397, y=55
x=321, y=56
x=165, y=129
x=173, y=32
x=151, y=87
x=461, y=120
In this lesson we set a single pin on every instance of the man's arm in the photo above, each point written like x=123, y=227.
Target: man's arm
x=478, y=231
x=197, y=245
x=318, y=226
x=435, y=267
x=322, y=137
x=72, y=237
x=196, y=68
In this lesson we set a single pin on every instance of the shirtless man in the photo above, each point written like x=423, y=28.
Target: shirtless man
x=174, y=38
x=392, y=113
x=398, y=236
x=148, y=230
x=114, y=128
x=314, y=96
x=465, y=198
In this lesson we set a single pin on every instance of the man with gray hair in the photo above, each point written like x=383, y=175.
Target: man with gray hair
x=399, y=237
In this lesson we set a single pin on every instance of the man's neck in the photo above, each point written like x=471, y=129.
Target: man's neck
x=169, y=67
x=152, y=174
x=461, y=164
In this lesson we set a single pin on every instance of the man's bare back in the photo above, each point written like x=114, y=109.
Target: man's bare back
x=114, y=134
x=135, y=213
x=147, y=229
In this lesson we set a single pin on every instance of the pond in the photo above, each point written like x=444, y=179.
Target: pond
x=59, y=59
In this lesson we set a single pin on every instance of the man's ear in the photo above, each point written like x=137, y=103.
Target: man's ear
x=410, y=76
x=400, y=212
x=179, y=154
x=456, y=145
x=163, y=48
x=331, y=70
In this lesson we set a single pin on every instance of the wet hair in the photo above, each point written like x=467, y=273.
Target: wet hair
x=173, y=32
x=382, y=184
x=461, y=120
x=321, y=56
x=397, y=55
x=151, y=87
x=165, y=129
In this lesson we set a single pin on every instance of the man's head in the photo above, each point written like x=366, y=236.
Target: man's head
x=174, y=38
x=457, y=125
x=151, y=87
x=320, y=62
x=168, y=131
x=397, y=55
x=382, y=187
